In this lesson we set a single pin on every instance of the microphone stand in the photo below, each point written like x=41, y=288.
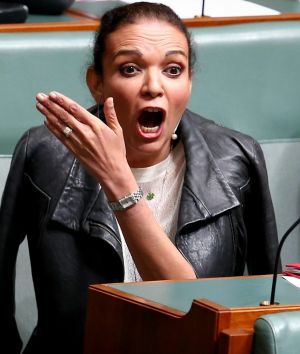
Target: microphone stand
x=284, y=237
x=203, y=5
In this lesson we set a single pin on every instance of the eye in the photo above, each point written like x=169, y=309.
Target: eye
x=173, y=70
x=129, y=70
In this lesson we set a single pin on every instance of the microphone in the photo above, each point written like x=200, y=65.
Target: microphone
x=284, y=237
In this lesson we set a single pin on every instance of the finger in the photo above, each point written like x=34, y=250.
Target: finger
x=62, y=131
x=50, y=117
x=71, y=142
x=54, y=113
x=55, y=108
x=110, y=115
x=53, y=121
x=82, y=138
x=74, y=109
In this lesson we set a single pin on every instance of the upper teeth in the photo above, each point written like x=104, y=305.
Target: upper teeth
x=152, y=109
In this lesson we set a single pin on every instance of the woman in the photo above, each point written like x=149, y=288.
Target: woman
x=154, y=191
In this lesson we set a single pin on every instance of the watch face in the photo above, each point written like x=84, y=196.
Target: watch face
x=126, y=202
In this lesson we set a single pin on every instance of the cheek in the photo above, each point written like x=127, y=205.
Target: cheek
x=180, y=98
x=123, y=104
x=122, y=93
x=180, y=93
x=123, y=101
x=113, y=84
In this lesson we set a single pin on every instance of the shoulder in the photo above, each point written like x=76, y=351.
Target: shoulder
x=37, y=142
x=42, y=156
x=221, y=140
x=211, y=129
x=238, y=156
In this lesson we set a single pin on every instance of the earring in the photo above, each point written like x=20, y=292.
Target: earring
x=174, y=136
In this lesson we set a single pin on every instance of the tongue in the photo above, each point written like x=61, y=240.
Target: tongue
x=150, y=119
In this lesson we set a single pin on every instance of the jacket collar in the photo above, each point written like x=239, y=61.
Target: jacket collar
x=206, y=193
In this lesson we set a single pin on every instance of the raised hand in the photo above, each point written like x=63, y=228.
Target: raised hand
x=98, y=146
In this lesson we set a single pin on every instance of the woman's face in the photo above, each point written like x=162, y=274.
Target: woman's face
x=146, y=71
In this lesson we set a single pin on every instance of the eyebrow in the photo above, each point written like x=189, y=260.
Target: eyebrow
x=140, y=54
x=172, y=52
x=128, y=52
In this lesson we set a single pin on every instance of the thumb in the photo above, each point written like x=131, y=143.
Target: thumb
x=110, y=115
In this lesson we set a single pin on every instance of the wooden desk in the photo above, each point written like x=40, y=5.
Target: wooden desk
x=290, y=12
x=85, y=16
x=202, y=316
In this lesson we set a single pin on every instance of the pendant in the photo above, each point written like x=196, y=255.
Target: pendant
x=150, y=196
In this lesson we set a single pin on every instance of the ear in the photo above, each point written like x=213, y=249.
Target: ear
x=94, y=82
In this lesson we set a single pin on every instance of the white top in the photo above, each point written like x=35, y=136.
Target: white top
x=162, y=186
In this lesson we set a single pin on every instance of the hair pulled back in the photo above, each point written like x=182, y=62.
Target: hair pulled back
x=130, y=14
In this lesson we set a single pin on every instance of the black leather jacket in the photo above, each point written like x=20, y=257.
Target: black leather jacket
x=226, y=220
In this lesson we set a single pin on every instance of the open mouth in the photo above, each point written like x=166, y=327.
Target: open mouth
x=150, y=120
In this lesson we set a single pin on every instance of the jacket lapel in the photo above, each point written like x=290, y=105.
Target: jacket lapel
x=83, y=202
x=206, y=193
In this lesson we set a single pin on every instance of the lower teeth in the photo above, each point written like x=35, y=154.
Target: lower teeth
x=149, y=130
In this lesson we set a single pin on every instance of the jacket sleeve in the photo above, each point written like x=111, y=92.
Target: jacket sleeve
x=12, y=232
x=260, y=218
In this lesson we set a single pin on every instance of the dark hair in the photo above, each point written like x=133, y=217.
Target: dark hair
x=130, y=14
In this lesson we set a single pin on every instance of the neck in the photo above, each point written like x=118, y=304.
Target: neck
x=142, y=160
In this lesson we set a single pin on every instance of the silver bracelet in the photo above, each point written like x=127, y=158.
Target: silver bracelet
x=128, y=201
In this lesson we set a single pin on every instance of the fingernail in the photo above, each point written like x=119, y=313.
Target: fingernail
x=41, y=96
x=110, y=102
x=53, y=94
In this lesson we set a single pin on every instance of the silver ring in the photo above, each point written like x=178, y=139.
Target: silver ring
x=67, y=131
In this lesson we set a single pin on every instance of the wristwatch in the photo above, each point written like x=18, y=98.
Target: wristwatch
x=128, y=201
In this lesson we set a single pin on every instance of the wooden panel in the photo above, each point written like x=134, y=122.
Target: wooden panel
x=116, y=325
x=235, y=341
x=223, y=21
x=50, y=26
x=77, y=23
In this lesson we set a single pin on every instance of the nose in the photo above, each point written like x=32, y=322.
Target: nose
x=152, y=84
